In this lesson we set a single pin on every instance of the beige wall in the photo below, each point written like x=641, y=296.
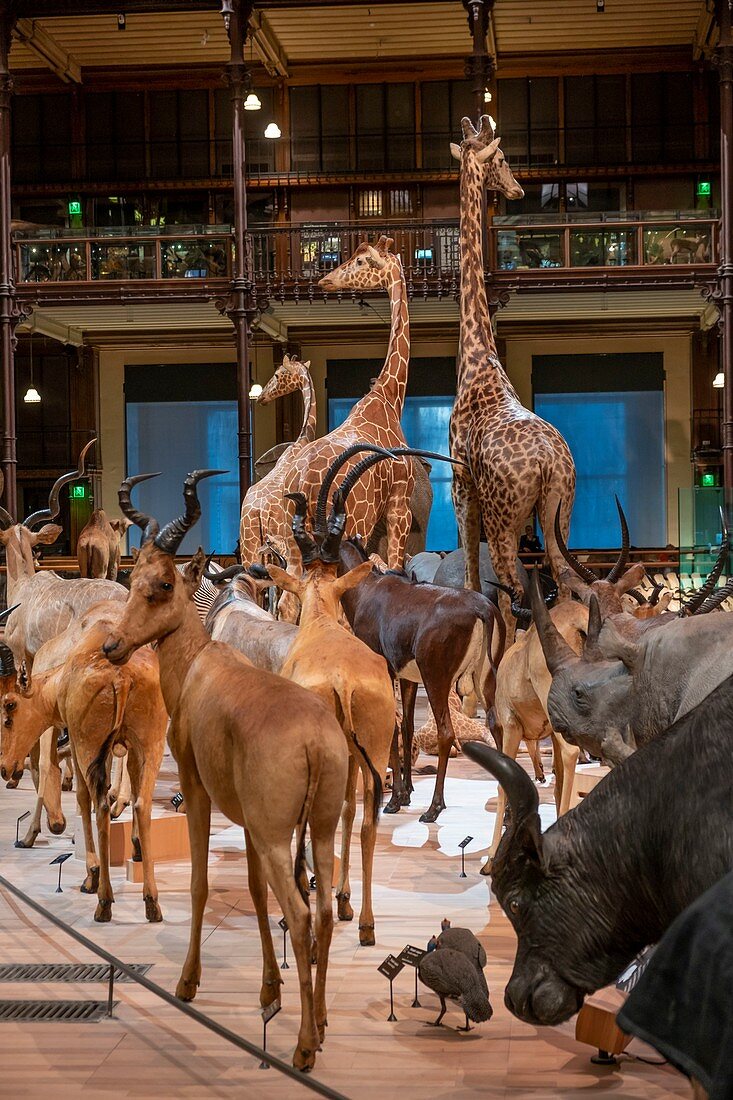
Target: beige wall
x=677, y=351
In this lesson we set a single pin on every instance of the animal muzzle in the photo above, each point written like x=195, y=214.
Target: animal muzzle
x=545, y=1000
x=15, y=773
x=115, y=650
x=326, y=283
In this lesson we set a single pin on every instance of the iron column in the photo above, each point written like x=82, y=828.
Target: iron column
x=723, y=59
x=8, y=306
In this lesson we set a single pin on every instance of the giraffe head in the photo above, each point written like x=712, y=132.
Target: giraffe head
x=372, y=266
x=483, y=146
x=291, y=375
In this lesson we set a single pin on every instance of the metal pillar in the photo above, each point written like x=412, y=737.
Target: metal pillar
x=239, y=306
x=723, y=59
x=480, y=64
x=9, y=314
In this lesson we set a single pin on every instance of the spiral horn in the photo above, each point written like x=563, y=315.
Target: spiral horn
x=169, y=539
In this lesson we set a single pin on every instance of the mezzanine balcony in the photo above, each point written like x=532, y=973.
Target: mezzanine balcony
x=652, y=250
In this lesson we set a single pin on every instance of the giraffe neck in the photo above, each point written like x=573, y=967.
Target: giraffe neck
x=477, y=346
x=392, y=381
x=308, y=427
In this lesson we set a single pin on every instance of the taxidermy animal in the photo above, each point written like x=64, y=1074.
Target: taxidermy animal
x=98, y=546
x=455, y=971
x=609, y=877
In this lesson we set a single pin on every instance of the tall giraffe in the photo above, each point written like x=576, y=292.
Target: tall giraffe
x=386, y=488
x=516, y=460
x=263, y=515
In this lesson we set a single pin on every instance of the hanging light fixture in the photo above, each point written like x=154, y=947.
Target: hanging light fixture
x=272, y=130
x=719, y=380
x=255, y=390
x=32, y=396
x=227, y=11
x=252, y=102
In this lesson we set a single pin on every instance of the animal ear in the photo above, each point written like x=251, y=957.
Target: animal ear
x=663, y=602
x=455, y=150
x=634, y=575
x=307, y=364
x=378, y=260
x=285, y=580
x=193, y=571
x=134, y=553
x=352, y=578
x=617, y=646
x=48, y=534
x=582, y=590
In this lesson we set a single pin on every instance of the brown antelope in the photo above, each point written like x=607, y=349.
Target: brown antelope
x=270, y=755
x=98, y=546
x=107, y=710
x=351, y=679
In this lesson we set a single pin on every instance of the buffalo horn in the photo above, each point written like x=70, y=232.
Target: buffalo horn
x=6, y=520
x=520, y=791
x=306, y=544
x=585, y=574
x=558, y=653
x=147, y=524
x=44, y=515
x=170, y=538
x=623, y=557
x=694, y=604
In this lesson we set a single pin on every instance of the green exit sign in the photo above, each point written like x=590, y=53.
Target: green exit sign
x=704, y=188
x=708, y=481
x=79, y=492
x=74, y=207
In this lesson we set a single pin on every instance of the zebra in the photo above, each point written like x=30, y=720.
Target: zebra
x=206, y=592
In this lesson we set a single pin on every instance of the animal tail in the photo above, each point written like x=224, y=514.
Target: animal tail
x=97, y=770
x=475, y=1002
x=345, y=701
x=299, y=868
x=83, y=558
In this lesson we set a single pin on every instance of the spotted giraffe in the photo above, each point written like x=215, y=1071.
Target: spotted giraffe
x=386, y=488
x=516, y=460
x=263, y=516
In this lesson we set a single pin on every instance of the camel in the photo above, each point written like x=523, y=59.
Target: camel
x=98, y=546
x=347, y=675
x=268, y=753
x=107, y=710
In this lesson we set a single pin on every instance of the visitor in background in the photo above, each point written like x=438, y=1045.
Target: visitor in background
x=529, y=543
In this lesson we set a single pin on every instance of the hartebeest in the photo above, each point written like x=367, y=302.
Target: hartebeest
x=107, y=709
x=98, y=546
x=268, y=753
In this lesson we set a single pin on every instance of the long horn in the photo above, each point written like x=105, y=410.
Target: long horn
x=306, y=544
x=7, y=660
x=330, y=474
x=225, y=574
x=718, y=598
x=585, y=574
x=331, y=545
x=6, y=520
x=268, y=548
x=170, y=538
x=591, y=649
x=623, y=557
x=43, y=515
x=147, y=524
x=695, y=603
x=520, y=791
x=558, y=653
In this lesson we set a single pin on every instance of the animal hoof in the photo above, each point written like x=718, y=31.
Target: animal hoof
x=117, y=808
x=57, y=827
x=393, y=806
x=103, y=912
x=405, y=798
x=25, y=843
x=304, y=1060
x=90, y=885
x=152, y=910
x=67, y=783
x=137, y=852
x=12, y=784
x=345, y=912
x=366, y=935
x=486, y=869
x=186, y=990
x=432, y=814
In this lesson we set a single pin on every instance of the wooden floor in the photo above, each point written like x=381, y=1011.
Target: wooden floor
x=151, y=1051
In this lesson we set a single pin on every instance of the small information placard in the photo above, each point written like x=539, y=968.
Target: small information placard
x=466, y=840
x=270, y=1011
x=391, y=967
x=282, y=923
x=412, y=956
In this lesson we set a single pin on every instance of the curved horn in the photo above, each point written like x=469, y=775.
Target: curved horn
x=280, y=559
x=656, y=593
x=694, y=604
x=169, y=539
x=43, y=515
x=718, y=598
x=520, y=791
x=330, y=474
x=7, y=660
x=147, y=524
x=623, y=557
x=259, y=572
x=585, y=574
x=306, y=544
x=337, y=520
x=642, y=602
x=558, y=653
x=225, y=575
x=591, y=650
x=6, y=520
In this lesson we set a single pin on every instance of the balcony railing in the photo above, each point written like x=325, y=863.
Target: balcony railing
x=287, y=261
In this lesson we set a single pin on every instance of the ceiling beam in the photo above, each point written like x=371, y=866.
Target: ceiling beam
x=267, y=45
x=44, y=45
x=50, y=8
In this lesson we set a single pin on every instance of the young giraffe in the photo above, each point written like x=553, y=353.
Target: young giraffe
x=263, y=514
x=386, y=489
x=516, y=460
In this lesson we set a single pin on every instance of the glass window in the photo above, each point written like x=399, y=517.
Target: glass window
x=528, y=120
x=595, y=119
x=400, y=136
x=444, y=104
x=370, y=127
x=662, y=117
x=41, y=138
x=319, y=128
x=115, y=135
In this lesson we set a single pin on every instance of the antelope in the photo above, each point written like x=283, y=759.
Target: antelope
x=236, y=617
x=268, y=753
x=98, y=546
x=107, y=710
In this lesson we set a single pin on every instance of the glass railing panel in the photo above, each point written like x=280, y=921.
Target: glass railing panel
x=46, y=262
x=197, y=258
x=521, y=249
x=123, y=260
x=591, y=246
x=673, y=243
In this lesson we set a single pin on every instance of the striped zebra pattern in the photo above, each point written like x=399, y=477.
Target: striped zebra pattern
x=206, y=592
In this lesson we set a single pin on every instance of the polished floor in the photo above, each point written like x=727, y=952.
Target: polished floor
x=149, y=1050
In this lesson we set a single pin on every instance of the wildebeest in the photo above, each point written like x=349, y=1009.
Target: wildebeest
x=236, y=618
x=610, y=876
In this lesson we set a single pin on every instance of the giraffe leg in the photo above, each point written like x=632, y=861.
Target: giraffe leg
x=468, y=516
x=399, y=520
x=503, y=552
x=547, y=508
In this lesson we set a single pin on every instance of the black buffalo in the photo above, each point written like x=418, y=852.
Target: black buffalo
x=609, y=877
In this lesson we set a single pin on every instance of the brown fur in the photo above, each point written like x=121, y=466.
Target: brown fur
x=98, y=547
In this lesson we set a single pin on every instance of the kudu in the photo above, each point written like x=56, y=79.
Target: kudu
x=98, y=546
x=107, y=710
x=268, y=753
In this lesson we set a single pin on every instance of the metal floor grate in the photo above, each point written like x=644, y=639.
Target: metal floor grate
x=55, y=1012
x=65, y=972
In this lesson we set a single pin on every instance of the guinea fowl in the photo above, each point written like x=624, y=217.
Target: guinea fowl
x=454, y=970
